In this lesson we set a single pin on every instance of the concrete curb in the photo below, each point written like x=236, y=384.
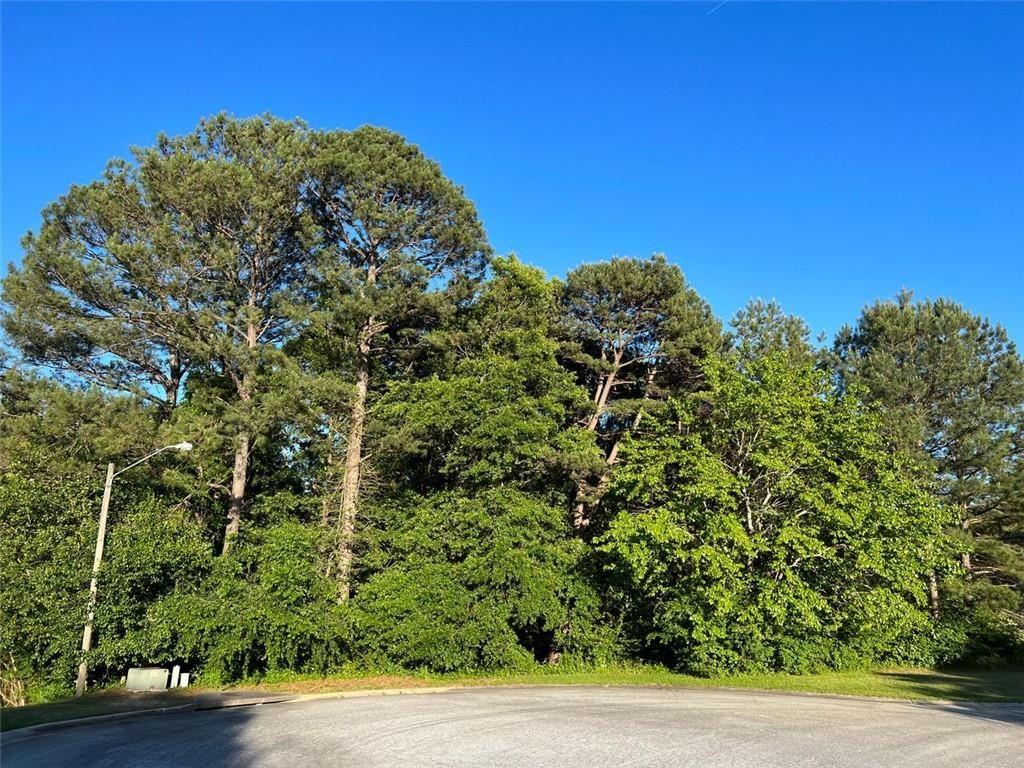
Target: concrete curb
x=656, y=686
x=389, y=692
x=19, y=734
x=217, y=700
x=202, y=702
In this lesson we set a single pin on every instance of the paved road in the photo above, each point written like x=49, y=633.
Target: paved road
x=551, y=727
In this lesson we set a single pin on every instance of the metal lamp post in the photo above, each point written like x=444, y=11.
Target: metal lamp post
x=101, y=535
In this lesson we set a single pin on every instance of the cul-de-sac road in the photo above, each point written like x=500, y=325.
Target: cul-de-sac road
x=579, y=727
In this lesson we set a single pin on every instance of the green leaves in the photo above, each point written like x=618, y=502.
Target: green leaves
x=950, y=388
x=483, y=581
x=46, y=538
x=503, y=414
x=521, y=468
x=763, y=525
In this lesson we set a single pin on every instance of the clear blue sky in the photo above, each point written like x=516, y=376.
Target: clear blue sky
x=822, y=154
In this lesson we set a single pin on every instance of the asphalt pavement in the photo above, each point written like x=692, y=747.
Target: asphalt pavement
x=555, y=727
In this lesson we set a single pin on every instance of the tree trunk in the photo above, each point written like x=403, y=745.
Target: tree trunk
x=329, y=487
x=238, y=482
x=240, y=471
x=965, y=524
x=579, y=513
x=933, y=593
x=613, y=455
x=353, y=460
x=604, y=390
x=601, y=394
x=580, y=519
x=174, y=384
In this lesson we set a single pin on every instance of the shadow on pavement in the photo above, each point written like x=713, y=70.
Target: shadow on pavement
x=996, y=685
x=994, y=711
x=958, y=687
x=205, y=738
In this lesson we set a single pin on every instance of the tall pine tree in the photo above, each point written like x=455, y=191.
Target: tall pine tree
x=951, y=385
x=193, y=255
x=629, y=324
x=399, y=242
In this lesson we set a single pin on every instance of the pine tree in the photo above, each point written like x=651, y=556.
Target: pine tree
x=763, y=328
x=951, y=385
x=628, y=324
x=399, y=242
x=194, y=255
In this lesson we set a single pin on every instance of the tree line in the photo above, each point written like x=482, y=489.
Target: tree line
x=412, y=453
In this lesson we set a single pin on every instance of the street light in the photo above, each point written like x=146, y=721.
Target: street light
x=101, y=534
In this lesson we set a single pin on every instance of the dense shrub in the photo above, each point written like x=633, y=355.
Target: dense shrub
x=47, y=541
x=267, y=607
x=480, y=581
x=47, y=535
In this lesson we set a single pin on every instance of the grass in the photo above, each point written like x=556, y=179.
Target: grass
x=913, y=684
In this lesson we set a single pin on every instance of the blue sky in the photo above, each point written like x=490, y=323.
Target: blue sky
x=822, y=154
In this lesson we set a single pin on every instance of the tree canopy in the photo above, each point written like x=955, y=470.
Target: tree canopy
x=950, y=386
x=410, y=453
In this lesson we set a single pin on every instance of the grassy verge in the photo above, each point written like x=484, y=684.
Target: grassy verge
x=914, y=684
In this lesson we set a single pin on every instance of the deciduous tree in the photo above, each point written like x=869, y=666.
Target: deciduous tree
x=764, y=524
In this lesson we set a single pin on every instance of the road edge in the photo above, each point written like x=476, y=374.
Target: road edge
x=33, y=730
x=220, y=700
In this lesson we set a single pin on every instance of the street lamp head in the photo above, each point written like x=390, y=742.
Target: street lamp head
x=186, y=446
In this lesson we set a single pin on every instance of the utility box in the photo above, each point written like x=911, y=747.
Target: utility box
x=147, y=679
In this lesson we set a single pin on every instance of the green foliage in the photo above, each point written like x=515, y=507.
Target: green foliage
x=134, y=280
x=381, y=202
x=950, y=386
x=624, y=318
x=763, y=328
x=480, y=571
x=399, y=247
x=47, y=531
x=765, y=526
x=504, y=415
x=47, y=427
x=481, y=581
x=499, y=468
x=151, y=550
x=266, y=607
